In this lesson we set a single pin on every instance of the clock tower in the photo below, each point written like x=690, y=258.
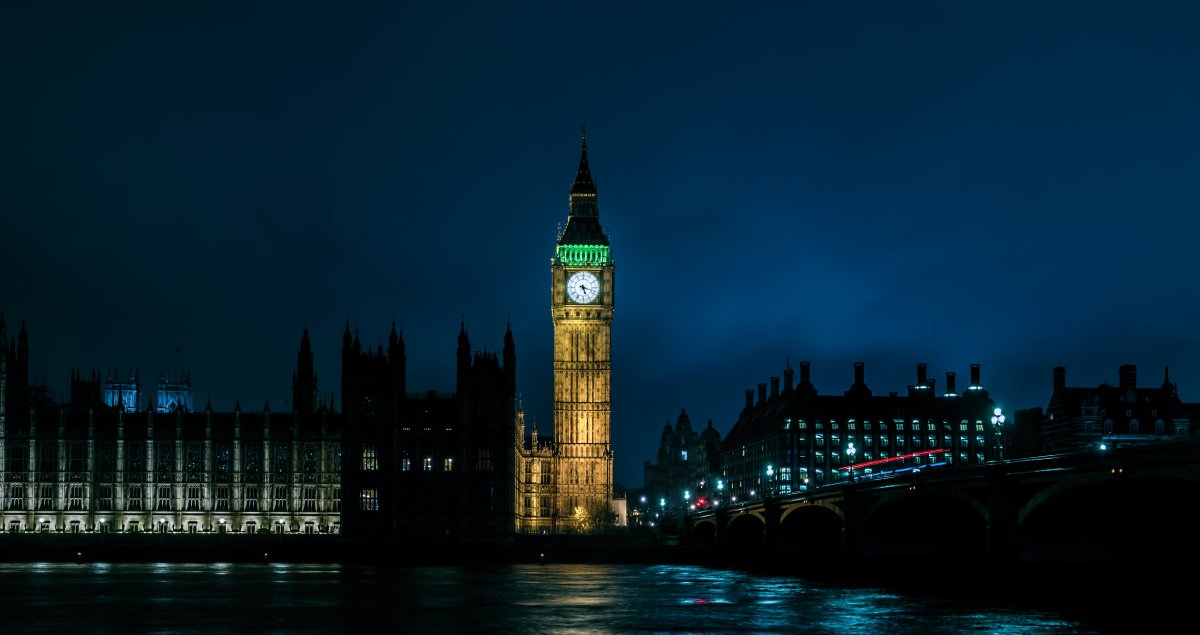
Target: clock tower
x=581, y=306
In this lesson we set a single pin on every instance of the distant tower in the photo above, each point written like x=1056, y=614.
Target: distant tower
x=122, y=393
x=175, y=395
x=581, y=307
x=304, y=380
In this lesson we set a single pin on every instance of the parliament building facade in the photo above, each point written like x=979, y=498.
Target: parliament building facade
x=430, y=466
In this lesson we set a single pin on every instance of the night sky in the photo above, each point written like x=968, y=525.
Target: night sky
x=1005, y=183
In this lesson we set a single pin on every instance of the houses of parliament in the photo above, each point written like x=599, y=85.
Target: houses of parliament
x=387, y=464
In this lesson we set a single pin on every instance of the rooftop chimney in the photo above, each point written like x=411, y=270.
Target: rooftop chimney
x=974, y=374
x=774, y=387
x=1060, y=377
x=1128, y=377
x=858, y=373
x=787, y=379
x=749, y=398
x=921, y=373
x=762, y=392
x=804, y=373
x=950, y=383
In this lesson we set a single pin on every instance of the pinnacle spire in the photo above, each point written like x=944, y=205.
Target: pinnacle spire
x=583, y=178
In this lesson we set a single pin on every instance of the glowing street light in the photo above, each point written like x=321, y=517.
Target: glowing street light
x=998, y=429
x=850, y=452
x=770, y=477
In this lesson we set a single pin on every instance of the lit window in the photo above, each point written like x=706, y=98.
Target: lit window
x=370, y=500
x=448, y=464
x=370, y=462
x=164, y=497
x=683, y=455
x=405, y=464
x=193, y=499
x=251, y=499
x=428, y=464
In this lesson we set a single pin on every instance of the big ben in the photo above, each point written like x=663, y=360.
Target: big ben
x=581, y=306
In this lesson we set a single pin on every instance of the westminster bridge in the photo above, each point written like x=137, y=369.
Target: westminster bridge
x=1123, y=504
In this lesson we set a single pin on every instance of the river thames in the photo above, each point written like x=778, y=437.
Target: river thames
x=94, y=598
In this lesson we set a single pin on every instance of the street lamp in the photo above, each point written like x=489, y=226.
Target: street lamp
x=998, y=429
x=770, y=482
x=850, y=452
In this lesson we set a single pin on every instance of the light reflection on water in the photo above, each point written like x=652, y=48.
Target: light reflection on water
x=320, y=598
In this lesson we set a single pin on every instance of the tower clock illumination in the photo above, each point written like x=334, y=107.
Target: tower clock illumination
x=583, y=287
x=581, y=307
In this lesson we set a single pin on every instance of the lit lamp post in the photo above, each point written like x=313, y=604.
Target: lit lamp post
x=998, y=429
x=770, y=481
x=850, y=452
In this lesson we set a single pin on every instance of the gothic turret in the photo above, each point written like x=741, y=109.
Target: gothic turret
x=397, y=361
x=510, y=359
x=464, y=356
x=304, y=380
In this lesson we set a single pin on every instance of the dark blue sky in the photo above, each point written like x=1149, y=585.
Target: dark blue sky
x=1008, y=183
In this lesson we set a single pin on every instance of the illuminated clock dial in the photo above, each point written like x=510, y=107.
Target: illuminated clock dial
x=583, y=287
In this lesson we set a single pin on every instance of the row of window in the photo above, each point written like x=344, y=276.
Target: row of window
x=370, y=461
x=137, y=457
x=165, y=499
x=898, y=425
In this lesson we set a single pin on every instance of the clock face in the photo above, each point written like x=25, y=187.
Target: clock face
x=583, y=287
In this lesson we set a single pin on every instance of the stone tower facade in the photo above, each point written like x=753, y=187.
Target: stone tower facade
x=581, y=306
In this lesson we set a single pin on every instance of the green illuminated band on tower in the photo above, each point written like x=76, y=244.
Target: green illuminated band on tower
x=583, y=255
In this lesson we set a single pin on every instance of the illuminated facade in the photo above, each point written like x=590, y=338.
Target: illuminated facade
x=579, y=485
x=791, y=440
x=430, y=467
x=88, y=467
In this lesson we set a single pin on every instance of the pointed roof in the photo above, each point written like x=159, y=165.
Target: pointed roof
x=583, y=216
x=583, y=178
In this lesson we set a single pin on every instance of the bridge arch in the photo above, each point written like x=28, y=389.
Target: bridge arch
x=811, y=528
x=704, y=533
x=1111, y=516
x=925, y=524
x=745, y=530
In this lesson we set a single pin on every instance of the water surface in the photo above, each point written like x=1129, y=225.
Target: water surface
x=554, y=598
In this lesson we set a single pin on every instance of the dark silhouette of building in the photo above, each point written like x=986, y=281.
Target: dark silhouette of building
x=687, y=461
x=428, y=466
x=792, y=439
x=1101, y=417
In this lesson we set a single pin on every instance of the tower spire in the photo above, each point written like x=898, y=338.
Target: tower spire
x=583, y=214
x=583, y=177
